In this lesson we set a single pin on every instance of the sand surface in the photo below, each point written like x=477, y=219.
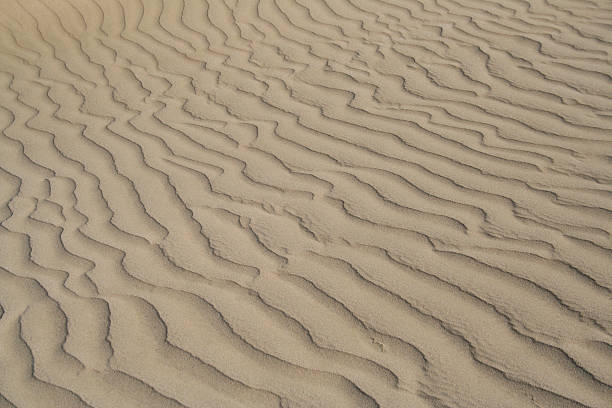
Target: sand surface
x=305, y=203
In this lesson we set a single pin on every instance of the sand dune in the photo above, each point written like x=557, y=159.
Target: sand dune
x=305, y=203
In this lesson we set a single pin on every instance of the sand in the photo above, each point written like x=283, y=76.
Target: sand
x=305, y=203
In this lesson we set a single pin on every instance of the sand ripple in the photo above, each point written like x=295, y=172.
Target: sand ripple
x=305, y=203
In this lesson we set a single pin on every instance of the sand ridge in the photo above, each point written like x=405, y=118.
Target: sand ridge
x=305, y=203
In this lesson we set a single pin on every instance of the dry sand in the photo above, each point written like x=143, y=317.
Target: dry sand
x=305, y=203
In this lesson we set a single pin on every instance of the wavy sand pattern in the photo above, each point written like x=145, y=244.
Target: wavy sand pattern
x=306, y=203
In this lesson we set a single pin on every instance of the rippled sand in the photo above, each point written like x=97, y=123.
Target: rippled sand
x=305, y=203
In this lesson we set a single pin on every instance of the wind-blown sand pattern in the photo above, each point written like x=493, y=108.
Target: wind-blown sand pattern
x=306, y=203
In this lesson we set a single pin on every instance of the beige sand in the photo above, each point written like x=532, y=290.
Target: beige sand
x=305, y=203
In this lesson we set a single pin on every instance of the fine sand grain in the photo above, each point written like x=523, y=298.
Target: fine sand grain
x=306, y=203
